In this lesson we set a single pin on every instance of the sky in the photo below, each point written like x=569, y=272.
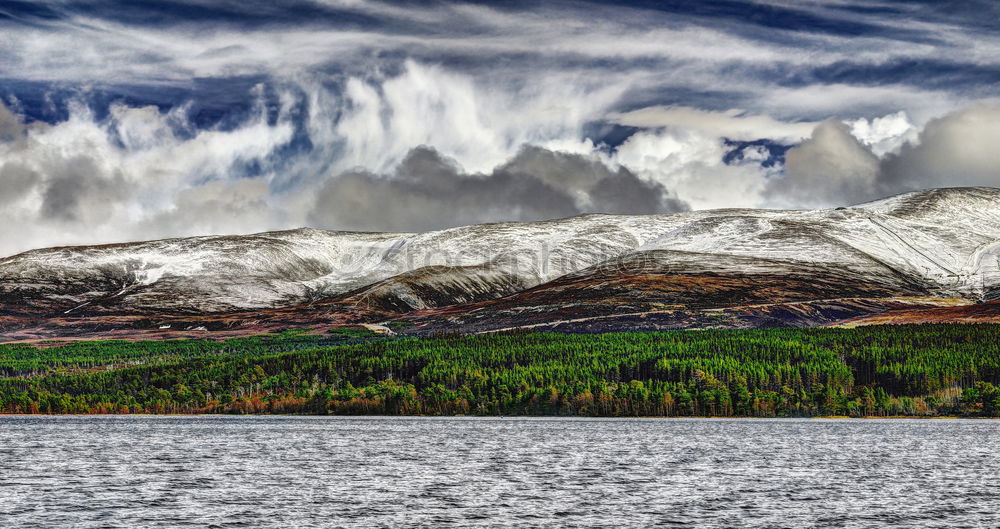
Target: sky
x=123, y=121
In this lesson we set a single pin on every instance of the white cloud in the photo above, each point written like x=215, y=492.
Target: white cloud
x=734, y=124
x=691, y=164
x=846, y=101
x=141, y=172
x=479, y=125
x=884, y=134
x=86, y=180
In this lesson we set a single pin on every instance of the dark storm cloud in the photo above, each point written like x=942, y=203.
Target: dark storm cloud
x=428, y=192
x=605, y=190
x=72, y=188
x=15, y=181
x=76, y=189
x=959, y=149
x=830, y=168
x=11, y=128
x=834, y=168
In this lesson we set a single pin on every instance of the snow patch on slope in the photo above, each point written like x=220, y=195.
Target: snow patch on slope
x=947, y=239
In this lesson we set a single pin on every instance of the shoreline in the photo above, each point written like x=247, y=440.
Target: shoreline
x=510, y=417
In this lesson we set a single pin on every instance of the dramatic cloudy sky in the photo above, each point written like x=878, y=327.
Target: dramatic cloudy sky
x=124, y=120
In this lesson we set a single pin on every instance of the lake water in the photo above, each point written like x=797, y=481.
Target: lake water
x=464, y=472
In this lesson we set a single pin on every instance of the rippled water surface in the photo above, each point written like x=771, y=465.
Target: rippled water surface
x=391, y=472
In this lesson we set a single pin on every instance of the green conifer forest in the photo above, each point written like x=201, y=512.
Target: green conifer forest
x=916, y=370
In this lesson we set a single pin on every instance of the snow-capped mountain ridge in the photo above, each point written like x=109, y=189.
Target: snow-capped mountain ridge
x=947, y=241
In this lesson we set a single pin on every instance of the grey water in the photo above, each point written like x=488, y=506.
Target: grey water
x=146, y=471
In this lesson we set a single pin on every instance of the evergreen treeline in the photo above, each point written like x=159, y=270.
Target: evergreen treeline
x=889, y=370
x=27, y=360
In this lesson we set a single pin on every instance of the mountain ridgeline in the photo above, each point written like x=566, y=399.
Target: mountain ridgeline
x=928, y=256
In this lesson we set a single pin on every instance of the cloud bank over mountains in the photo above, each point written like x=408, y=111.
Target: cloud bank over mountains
x=121, y=121
x=834, y=166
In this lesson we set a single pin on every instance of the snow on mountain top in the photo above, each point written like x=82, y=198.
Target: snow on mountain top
x=947, y=237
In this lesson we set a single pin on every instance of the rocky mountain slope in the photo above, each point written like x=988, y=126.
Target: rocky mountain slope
x=705, y=268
